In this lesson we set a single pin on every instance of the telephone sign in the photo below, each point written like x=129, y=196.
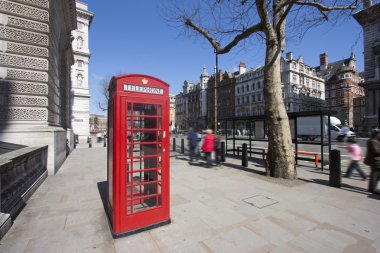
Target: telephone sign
x=138, y=154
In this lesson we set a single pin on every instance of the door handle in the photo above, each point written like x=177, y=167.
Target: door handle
x=164, y=134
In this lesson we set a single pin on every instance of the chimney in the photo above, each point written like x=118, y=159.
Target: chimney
x=367, y=3
x=242, y=68
x=323, y=61
x=289, y=56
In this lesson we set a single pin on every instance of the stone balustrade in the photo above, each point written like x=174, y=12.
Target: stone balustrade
x=21, y=172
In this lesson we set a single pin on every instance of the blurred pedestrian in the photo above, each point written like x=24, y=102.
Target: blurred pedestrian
x=356, y=156
x=197, y=147
x=192, y=138
x=373, y=160
x=208, y=146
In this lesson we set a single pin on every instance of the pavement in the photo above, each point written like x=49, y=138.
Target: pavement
x=222, y=209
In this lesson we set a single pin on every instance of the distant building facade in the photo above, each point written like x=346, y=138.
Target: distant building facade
x=35, y=84
x=172, y=112
x=302, y=89
x=181, y=112
x=342, y=88
x=225, y=97
x=249, y=97
x=369, y=19
x=191, y=104
x=79, y=73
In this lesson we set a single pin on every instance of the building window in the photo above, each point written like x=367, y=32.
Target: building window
x=242, y=89
x=258, y=97
x=79, y=42
x=80, y=80
x=247, y=87
x=80, y=64
x=80, y=26
x=259, y=85
x=253, y=86
x=238, y=90
x=253, y=98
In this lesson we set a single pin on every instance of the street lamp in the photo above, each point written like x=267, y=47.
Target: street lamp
x=215, y=93
x=347, y=88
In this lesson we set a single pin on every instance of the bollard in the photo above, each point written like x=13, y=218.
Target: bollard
x=182, y=146
x=89, y=142
x=105, y=142
x=173, y=144
x=335, y=169
x=244, y=158
x=223, y=151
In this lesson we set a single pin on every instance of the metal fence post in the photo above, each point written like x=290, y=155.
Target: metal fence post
x=182, y=146
x=335, y=169
x=223, y=151
x=173, y=144
x=244, y=158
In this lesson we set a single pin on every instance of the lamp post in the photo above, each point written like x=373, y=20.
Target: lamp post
x=216, y=93
x=347, y=88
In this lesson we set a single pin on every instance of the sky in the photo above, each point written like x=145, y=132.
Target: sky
x=133, y=37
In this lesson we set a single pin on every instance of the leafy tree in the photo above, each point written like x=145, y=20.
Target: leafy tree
x=226, y=24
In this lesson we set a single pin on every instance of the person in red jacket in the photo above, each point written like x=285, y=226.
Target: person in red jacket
x=208, y=146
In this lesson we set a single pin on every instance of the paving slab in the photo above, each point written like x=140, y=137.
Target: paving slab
x=223, y=209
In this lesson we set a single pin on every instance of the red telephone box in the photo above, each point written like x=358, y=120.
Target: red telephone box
x=138, y=154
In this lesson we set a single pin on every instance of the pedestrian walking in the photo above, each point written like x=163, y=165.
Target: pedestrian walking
x=208, y=146
x=192, y=138
x=373, y=160
x=356, y=156
x=197, y=147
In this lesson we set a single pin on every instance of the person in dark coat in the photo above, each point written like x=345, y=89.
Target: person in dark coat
x=192, y=138
x=373, y=160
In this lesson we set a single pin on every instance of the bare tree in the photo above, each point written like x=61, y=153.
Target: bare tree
x=228, y=23
x=103, y=103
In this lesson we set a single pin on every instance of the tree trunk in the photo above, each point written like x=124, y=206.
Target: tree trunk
x=280, y=150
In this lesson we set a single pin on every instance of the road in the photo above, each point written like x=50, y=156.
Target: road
x=301, y=147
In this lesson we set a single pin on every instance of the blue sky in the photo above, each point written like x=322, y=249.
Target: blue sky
x=133, y=37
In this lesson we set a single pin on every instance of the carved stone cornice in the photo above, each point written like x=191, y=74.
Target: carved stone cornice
x=85, y=15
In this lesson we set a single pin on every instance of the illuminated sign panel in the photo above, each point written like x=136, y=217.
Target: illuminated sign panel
x=143, y=89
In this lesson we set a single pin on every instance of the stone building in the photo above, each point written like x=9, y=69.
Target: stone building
x=369, y=19
x=181, y=112
x=342, y=87
x=79, y=73
x=225, y=97
x=191, y=104
x=35, y=84
x=172, y=112
x=249, y=96
x=302, y=89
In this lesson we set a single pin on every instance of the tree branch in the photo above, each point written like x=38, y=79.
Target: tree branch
x=323, y=8
x=215, y=44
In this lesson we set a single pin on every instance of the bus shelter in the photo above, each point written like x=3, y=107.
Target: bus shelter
x=310, y=131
